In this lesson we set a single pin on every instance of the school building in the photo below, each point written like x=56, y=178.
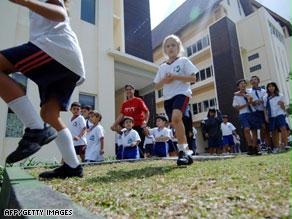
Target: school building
x=227, y=40
x=115, y=38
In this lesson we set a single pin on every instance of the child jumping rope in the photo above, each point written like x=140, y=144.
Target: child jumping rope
x=174, y=76
x=53, y=60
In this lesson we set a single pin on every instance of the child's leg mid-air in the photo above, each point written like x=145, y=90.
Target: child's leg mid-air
x=36, y=134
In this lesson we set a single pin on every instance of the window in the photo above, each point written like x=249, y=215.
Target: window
x=199, y=45
x=205, y=41
x=198, y=76
x=88, y=11
x=189, y=51
x=194, y=47
x=254, y=56
x=195, y=109
x=85, y=99
x=200, y=108
x=206, y=105
x=14, y=127
x=202, y=75
x=208, y=72
x=160, y=93
x=255, y=68
x=212, y=102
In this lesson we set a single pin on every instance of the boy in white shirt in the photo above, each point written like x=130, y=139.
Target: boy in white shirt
x=148, y=144
x=228, y=130
x=161, y=135
x=77, y=127
x=95, y=139
x=242, y=102
x=130, y=140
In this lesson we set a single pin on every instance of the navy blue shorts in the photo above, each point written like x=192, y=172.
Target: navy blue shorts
x=161, y=149
x=119, y=154
x=80, y=149
x=228, y=140
x=215, y=142
x=277, y=122
x=171, y=146
x=53, y=79
x=179, y=102
x=131, y=153
x=247, y=121
x=149, y=149
x=257, y=119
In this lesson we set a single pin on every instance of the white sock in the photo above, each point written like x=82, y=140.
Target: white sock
x=182, y=147
x=25, y=111
x=64, y=142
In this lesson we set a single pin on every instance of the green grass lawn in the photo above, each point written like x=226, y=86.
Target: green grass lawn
x=243, y=187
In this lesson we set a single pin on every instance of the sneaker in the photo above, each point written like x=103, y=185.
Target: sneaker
x=31, y=142
x=184, y=159
x=256, y=151
x=63, y=172
x=249, y=150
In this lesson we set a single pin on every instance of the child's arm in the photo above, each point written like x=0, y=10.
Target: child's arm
x=185, y=79
x=51, y=9
x=101, y=152
x=82, y=133
x=135, y=143
x=168, y=79
x=115, y=127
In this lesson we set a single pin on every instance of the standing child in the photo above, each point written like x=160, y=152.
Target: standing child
x=175, y=76
x=53, y=60
x=85, y=110
x=161, y=135
x=148, y=144
x=212, y=131
x=228, y=130
x=242, y=102
x=275, y=116
x=77, y=127
x=194, y=141
x=130, y=140
x=95, y=139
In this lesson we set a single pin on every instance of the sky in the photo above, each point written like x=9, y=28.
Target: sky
x=160, y=9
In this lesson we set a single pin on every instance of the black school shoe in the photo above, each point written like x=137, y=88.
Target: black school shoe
x=256, y=151
x=250, y=150
x=31, y=142
x=63, y=172
x=184, y=159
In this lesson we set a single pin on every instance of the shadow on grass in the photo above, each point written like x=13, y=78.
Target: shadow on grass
x=121, y=175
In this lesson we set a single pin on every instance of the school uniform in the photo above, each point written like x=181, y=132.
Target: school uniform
x=194, y=140
x=258, y=116
x=52, y=58
x=245, y=114
x=172, y=143
x=148, y=144
x=227, y=132
x=277, y=116
x=127, y=138
x=92, y=152
x=211, y=126
x=76, y=126
x=160, y=147
x=177, y=93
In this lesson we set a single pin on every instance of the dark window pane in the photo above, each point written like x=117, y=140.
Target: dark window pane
x=194, y=47
x=212, y=102
x=208, y=72
x=195, y=109
x=198, y=76
x=88, y=11
x=189, y=51
x=87, y=100
x=202, y=75
x=252, y=57
x=199, y=45
x=200, y=108
x=160, y=93
x=206, y=105
x=255, y=68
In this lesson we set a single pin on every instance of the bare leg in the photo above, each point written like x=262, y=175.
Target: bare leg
x=178, y=124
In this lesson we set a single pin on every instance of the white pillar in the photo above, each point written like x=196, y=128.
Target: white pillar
x=106, y=74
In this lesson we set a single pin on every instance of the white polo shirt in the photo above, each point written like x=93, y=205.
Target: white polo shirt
x=157, y=132
x=75, y=126
x=240, y=100
x=276, y=110
x=227, y=128
x=128, y=137
x=181, y=66
x=257, y=95
x=92, y=151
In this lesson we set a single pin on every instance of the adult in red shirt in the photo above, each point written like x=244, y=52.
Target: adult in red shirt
x=136, y=108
